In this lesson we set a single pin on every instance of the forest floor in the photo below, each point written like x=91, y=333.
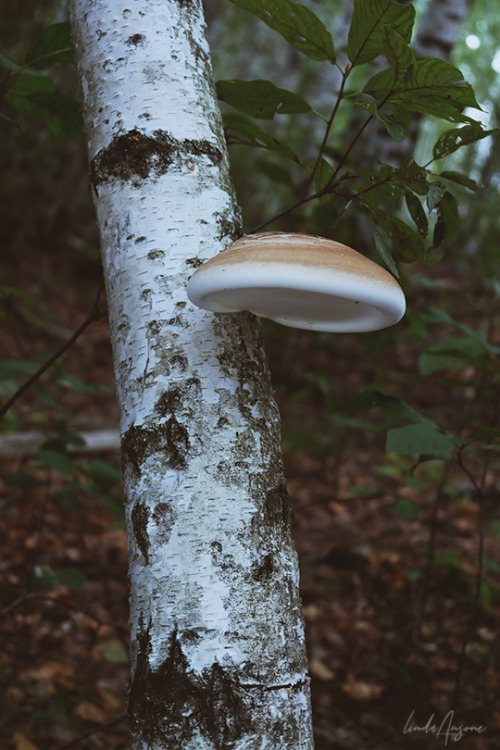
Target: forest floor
x=402, y=650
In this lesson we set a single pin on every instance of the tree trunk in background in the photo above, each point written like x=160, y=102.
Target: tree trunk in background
x=217, y=651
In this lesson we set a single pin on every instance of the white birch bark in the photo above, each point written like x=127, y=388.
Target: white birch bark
x=217, y=654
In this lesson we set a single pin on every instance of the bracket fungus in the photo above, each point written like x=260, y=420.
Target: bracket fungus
x=300, y=281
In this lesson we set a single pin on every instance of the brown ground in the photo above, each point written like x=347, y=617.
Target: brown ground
x=386, y=608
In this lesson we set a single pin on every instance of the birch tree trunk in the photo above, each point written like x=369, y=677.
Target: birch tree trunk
x=217, y=643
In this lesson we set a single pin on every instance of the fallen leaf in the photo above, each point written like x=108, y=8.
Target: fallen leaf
x=23, y=743
x=359, y=690
x=320, y=670
x=90, y=712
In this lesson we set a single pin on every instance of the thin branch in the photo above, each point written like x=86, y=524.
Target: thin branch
x=94, y=315
x=327, y=130
x=94, y=730
x=287, y=210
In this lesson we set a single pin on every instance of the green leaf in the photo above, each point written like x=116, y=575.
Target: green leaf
x=369, y=19
x=240, y=130
x=419, y=439
x=22, y=479
x=414, y=177
x=74, y=383
x=385, y=254
x=297, y=24
x=447, y=225
x=417, y=212
x=408, y=509
x=433, y=87
x=260, y=98
x=406, y=243
x=56, y=460
x=460, y=179
x=434, y=195
x=453, y=139
x=454, y=352
x=53, y=47
x=12, y=368
x=103, y=473
x=399, y=55
x=68, y=499
x=23, y=86
x=396, y=128
x=8, y=64
x=72, y=578
x=275, y=172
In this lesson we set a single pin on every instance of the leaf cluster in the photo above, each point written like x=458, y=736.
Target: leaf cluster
x=25, y=89
x=406, y=87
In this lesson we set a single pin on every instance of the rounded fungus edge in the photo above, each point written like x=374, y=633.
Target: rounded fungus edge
x=301, y=281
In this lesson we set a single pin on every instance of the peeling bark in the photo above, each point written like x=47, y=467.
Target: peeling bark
x=217, y=641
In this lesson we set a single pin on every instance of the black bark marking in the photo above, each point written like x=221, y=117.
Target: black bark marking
x=168, y=402
x=278, y=508
x=264, y=571
x=171, y=705
x=138, y=155
x=140, y=517
x=136, y=39
x=177, y=443
x=194, y=262
x=139, y=443
x=228, y=227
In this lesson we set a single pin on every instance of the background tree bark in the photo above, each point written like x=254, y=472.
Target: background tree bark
x=217, y=653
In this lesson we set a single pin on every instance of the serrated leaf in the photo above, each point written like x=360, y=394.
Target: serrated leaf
x=460, y=179
x=453, y=139
x=297, y=24
x=260, y=99
x=431, y=86
x=417, y=212
x=53, y=47
x=399, y=55
x=419, y=439
x=369, y=19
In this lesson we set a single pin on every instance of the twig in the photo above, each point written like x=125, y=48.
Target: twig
x=90, y=732
x=94, y=315
x=479, y=488
x=327, y=130
x=34, y=595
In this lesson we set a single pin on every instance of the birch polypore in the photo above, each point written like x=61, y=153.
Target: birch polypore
x=217, y=655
